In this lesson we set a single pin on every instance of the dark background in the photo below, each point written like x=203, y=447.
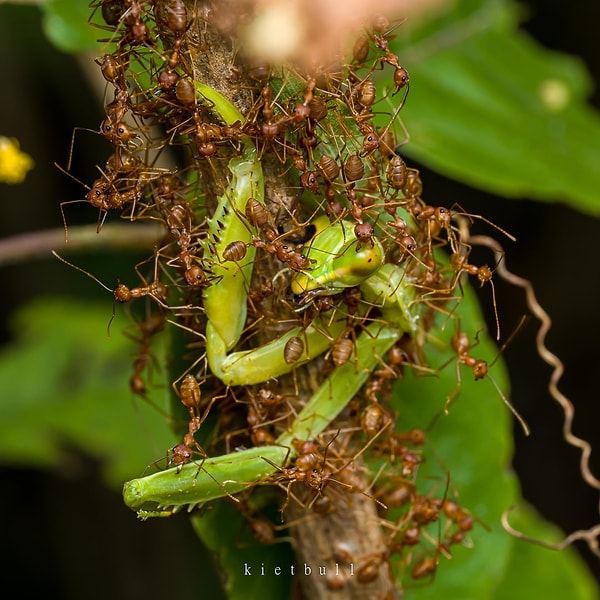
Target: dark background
x=44, y=527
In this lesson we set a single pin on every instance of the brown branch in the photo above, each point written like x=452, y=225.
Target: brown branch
x=39, y=244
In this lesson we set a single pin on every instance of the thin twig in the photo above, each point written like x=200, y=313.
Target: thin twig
x=39, y=244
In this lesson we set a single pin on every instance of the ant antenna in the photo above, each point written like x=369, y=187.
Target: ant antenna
x=95, y=279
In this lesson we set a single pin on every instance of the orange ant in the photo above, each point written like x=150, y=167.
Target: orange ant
x=122, y=293
x=148, y=327
x=271, y=402
x=190, y=395
x=136, y=31
x=364, y=95
x=259, y=216
x=459, y=263
x=156, y=290
x=91, y=277
x=293, y=350
x=175, y=17
x=272, y=126
x=342, y=348
x=380, y=380
x=121, y=182
x=401, y=76
x=458, y=523
x=179, y=218
x=480, y=368
x=262, y=529
x=312, y=470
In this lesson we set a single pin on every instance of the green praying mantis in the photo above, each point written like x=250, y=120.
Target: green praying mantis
x=336, y=261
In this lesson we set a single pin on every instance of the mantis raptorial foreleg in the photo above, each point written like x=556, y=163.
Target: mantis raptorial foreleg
x=268, y=361
x=225, y=301
x=167, y=492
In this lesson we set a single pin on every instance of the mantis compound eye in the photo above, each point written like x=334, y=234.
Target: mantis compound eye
x=336, y=261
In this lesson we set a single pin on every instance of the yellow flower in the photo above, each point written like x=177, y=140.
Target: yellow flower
x=14, y=164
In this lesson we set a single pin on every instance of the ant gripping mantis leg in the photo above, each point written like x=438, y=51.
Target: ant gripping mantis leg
x=336, y=262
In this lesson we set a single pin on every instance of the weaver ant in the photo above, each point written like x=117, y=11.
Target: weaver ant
x=480, y=368
x=148, y=327
x=311, y=468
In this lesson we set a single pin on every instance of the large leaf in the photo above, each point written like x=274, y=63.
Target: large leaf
x=65, y=384
x=474, y=443
x=492, y=108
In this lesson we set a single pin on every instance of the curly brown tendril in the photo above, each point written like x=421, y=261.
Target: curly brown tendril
x=548, y=357
x=566, y=405
x=590, y=536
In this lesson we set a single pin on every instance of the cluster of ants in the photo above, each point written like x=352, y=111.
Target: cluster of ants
x=331, y=135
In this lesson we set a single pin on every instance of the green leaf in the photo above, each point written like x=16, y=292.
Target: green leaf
x=65, y=385
x=475, y=441
x=563, y=573
x=492, y=108
x=67, y=25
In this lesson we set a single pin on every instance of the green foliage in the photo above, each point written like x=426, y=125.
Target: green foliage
x=65, y=386
x=474, y=443
x=487, y=106
x=490, y=107
x=66, y=23
x=473, y=440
